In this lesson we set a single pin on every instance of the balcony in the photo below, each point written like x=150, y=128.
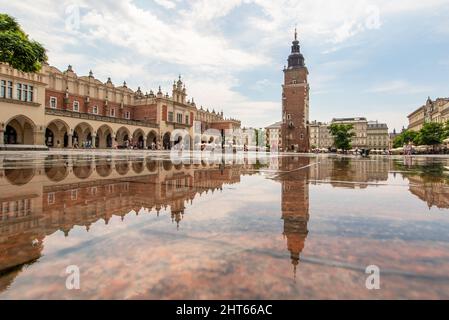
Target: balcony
x=95, y=117
x=179, y=125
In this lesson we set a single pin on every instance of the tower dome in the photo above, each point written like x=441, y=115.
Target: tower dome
x=295, y=59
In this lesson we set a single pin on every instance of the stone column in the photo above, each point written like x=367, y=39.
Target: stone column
x=145, y=146
x=94, y=138
x=2, y=136
x=70, y=140
x=39, y=135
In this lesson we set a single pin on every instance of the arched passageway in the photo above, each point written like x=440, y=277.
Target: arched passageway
x=19, y=130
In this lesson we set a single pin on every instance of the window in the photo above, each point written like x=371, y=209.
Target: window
x=30, y=93
x=170, y=116
x=95, y=110
x=24, y=92
x=179, y=117
x=51, y=198
x=19, y=91
x=112, y=113
x=289, y=116
x=9, y=89
x=53, y=102
x=187, y=120
x=3, y=89
x=74, y=194
x=127, y=115
x=76, y=106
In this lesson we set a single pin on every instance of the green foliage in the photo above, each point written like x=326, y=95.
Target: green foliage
x=432, y=133
x=342, y=134
x=404, y=138
x=446, y=130
x=17, y=49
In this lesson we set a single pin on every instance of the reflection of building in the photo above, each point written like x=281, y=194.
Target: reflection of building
x=62, y=193
x=295, y=102
x=434, y=191
x=61, y=109
x=350, y=173
x=433, y=111
x=295, y=204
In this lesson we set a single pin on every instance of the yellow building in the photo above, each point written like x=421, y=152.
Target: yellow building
x=433, y=111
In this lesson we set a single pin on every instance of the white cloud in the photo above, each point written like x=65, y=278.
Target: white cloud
x=167, y=4
x=146, y=48
x=398, y=87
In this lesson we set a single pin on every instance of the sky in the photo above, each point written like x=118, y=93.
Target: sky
x=378, y=59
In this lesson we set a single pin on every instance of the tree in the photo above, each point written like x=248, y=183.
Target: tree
x=431, y=134
x=404, y=138
x=17, y=49
x=342, y=134
x=446, y=130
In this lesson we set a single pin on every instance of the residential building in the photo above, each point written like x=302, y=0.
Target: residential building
x=377, y=135
x=360, y=125
x=320, y=136
x=433, y=111
x=274, y=136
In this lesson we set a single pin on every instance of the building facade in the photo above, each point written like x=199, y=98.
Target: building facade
x=320, y=137
x=433, y=111
x=360, y=129
x=368, y=134
x=377, y=135
x=274, y=136
x=63, y=110
x=295, y=102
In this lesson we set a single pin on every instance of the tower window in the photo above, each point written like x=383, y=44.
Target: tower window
x=289, y=116
x=294, y=81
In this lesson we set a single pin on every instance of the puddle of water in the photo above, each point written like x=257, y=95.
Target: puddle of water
x=141, y=227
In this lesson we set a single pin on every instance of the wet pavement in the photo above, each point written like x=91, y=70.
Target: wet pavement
x=139, y=226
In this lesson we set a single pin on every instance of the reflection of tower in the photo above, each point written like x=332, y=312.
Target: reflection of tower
x=295, y=204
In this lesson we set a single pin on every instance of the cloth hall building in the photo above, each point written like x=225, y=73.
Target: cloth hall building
x=63, y=110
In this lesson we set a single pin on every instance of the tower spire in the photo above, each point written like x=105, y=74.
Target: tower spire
x=296, y=33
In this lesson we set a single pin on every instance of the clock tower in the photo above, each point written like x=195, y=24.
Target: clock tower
x=295, y=102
